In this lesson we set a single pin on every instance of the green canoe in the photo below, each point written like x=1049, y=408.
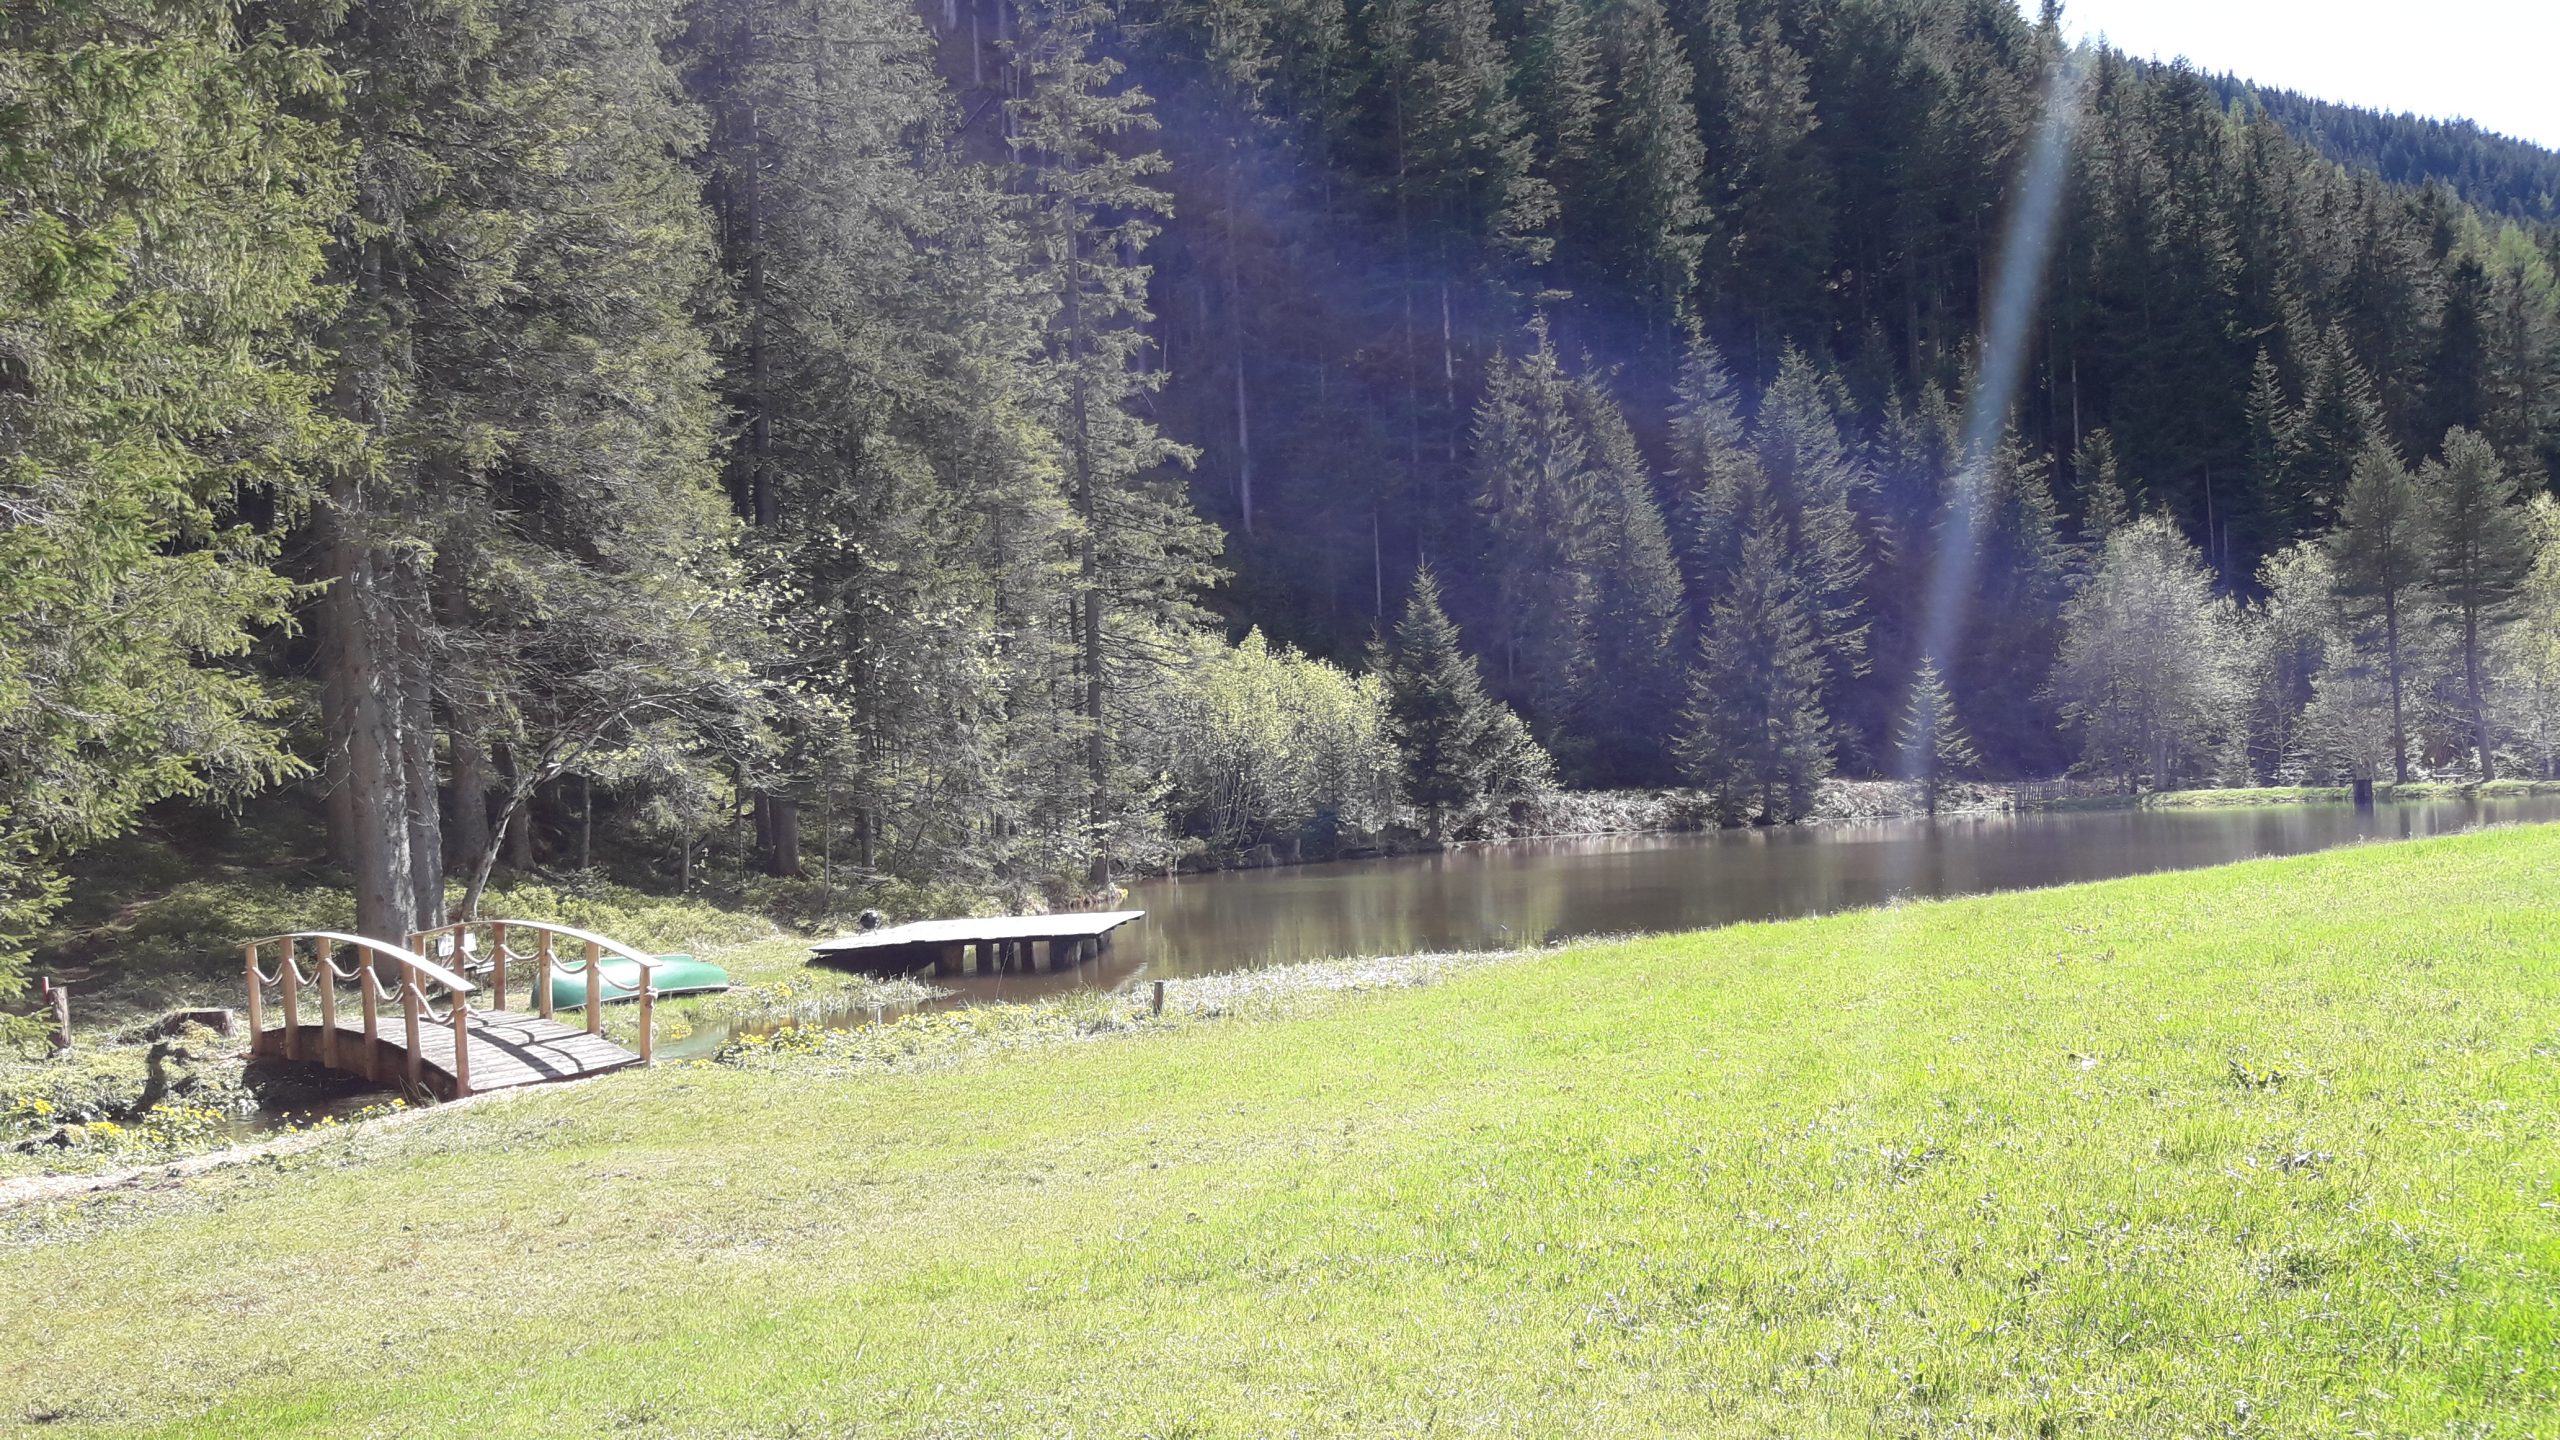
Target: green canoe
x=674, y=975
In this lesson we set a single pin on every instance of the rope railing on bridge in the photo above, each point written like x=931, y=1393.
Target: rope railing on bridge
x=461, y=944
x=417, y=1009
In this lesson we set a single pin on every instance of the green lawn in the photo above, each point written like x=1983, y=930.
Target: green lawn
x=2267, y=1150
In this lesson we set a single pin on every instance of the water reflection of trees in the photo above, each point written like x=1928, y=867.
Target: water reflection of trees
x=1539, y=891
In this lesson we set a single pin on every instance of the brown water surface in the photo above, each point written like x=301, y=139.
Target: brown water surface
x=1533, y=892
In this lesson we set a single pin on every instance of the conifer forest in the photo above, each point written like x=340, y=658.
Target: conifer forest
x=1021, y=444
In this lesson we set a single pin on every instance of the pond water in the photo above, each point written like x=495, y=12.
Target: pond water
x=1533, y=892
x=1487, y=897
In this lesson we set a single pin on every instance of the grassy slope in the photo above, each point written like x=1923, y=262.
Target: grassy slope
x=2008, y=1166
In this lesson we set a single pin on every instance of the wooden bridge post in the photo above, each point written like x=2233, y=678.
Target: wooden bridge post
x=595, y=991
x=257, y=1007
x=498, y=965
x=292, y=983
x=412, y=1000
x=367, y=979
x=648, y=1014
x=326, y=973
x=461, y=1042
x=542, y=976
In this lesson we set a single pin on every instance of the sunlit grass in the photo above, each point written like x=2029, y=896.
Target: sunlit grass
x=2261, y=1150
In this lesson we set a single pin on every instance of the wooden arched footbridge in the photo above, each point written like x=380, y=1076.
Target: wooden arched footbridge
x=413, y=1017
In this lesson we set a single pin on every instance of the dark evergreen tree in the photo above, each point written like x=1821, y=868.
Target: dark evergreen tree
x=2380, y=550
x=1932, y=738
x=2480, y=547
x=1140, y=550
x=160, y=264
x=1755, y=739
x=1459, y=745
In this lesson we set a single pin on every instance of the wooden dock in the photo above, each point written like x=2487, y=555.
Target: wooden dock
x=989, y=945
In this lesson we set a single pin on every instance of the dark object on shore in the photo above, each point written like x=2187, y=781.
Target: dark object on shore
x=869, y=920
x=60, y=1001
x=175, y=1023
x=2364, y=792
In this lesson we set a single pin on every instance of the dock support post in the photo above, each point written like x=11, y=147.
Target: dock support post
x=595, y=989
x=648, y=1009
x=1157, y=1006
x=950, y=960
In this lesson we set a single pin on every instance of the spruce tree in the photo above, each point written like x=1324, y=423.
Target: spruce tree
x=2380, y=550
x=1648, y=223
x=1932, y=736
x=1584, y=578
x=2480, y=547
x=2280, y=509
x=1714, y=472
x=2104, y=508
x=1632, y=694
x=1459, y=745
x=1140, y=550
x=1813, y=483
x=2340, y=420
x=1754, y=735
x=160, y=267
x=1536, y=487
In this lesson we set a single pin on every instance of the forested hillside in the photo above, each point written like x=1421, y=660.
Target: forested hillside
x=2498, y=173
x=997, y=442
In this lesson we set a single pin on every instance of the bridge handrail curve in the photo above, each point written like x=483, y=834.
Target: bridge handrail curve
x=415, y=973
x=604, y=943
x=411, y=959
x=600, y=988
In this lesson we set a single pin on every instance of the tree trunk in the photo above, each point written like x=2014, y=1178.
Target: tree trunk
x=516, y=821
x=1235, y=352
x=2478, y=695
x=2399, y=724
x=1088, y=560
x=782, y=836
x=470, y=794
x=362, y=710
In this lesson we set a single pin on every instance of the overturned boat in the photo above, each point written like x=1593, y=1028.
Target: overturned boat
x=671, y=975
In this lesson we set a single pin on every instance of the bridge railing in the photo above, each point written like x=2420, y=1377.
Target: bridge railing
x=499, y=949
x=411, y=976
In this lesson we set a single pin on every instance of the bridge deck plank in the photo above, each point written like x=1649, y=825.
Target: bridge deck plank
x=508, y=1049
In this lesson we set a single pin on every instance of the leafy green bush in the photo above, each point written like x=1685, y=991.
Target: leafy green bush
x=1263, y=744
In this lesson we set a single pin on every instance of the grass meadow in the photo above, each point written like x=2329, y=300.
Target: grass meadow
x=2271, y=1150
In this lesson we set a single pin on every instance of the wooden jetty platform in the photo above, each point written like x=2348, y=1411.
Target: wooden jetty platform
x=988, y=945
